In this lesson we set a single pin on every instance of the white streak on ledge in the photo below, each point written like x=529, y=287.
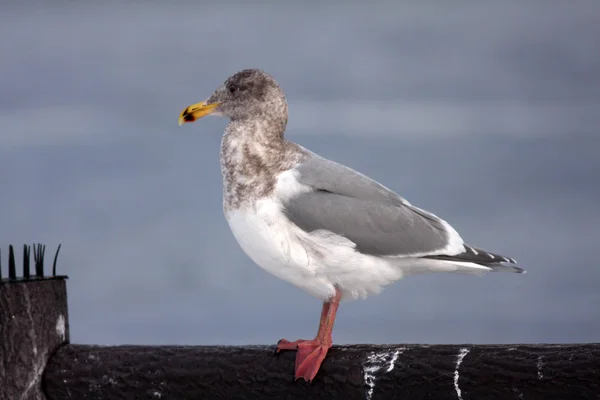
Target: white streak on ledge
x=375, y=362
x=38, y=370
x=540, y=364
x=60, y=327
x=461, y=355
x=39, y=362
x=32, y=334
x=517, y=392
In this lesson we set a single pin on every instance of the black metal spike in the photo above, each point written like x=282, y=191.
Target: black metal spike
x=35, y=256
x=38, y=261
x=12, y=268
x=26, y=273
x=38, y=255
x=55, y=258
x=42, y=258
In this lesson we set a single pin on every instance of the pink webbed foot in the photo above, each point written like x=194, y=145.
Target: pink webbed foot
x=309, y=358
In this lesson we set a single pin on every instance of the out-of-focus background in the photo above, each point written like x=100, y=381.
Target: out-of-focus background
x=486, y=113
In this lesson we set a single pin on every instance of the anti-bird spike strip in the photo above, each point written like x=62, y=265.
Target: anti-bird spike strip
x=39, y=251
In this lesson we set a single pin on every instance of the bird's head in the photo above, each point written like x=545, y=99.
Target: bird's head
x=247, y=94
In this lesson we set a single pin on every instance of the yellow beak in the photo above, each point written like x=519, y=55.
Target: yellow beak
x=196, y=111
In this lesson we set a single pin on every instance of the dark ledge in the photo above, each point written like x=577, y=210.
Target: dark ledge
x=350, y=372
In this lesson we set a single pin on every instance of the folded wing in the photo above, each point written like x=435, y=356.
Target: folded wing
x=377, y=220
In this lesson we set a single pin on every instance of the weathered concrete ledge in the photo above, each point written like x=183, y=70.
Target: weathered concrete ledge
x=350, y=372
x=33, y=323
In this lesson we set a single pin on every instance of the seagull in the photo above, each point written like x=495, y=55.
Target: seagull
x=318, y=224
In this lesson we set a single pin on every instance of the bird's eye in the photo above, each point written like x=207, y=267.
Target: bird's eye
x=232, y=89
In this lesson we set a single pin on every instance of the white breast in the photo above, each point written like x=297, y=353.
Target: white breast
x=269, y=240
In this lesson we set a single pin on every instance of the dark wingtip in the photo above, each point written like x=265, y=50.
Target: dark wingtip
x=506, y=268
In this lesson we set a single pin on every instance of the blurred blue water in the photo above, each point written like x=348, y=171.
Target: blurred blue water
x=485, y=113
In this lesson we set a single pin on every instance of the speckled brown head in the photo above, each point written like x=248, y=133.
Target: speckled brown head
x=248, y=94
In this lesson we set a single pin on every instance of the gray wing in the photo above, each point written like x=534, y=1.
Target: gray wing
x=350, y=204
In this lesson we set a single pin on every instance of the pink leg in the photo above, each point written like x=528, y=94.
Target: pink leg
x=311, y=353
x=285, y=344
